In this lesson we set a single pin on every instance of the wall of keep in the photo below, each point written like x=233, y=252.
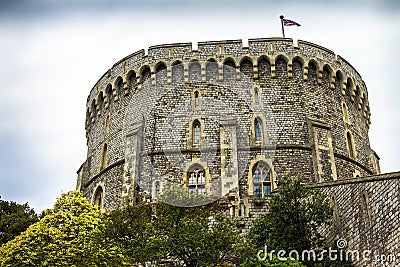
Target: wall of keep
x=299, y=83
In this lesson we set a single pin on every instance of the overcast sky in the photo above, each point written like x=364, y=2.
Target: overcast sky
x=52, y=52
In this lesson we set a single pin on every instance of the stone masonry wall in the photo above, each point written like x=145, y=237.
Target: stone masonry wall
x=367, y=216
x=305, y=89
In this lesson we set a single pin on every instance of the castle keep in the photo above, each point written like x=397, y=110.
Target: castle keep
x=231, y=120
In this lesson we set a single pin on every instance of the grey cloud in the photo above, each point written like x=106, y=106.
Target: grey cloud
x=49, y=7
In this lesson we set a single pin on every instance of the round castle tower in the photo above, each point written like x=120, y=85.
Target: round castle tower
x=318, y=102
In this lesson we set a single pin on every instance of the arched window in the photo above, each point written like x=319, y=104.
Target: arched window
x=196, y=99
x=100, y=102
x=194, y=71
x=132, y=81
x=326, y=76
x=246, y=67
x=107, y=124
x=157, y=189
x=146, y=74
x=350, y=145
x=349, y=87
x=339, y=82
x=312, y=72
x=196, y=132
x=264, y=69
x=120, y=86
x=211, y=70
x=94, y=110
x=196, y=180
x=177, y=72
x=345, y=113
x=258, y=129
x=256, y=97
x=108, y=96
x=98, y=198
x=103, y=162
x=358, y=97
x=229, y=70
x=297, y=68
x=261, y=180
x=161, y=73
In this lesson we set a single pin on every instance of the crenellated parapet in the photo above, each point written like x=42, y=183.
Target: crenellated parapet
x=141, y=64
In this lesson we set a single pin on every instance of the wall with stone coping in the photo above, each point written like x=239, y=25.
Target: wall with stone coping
x=367, y=215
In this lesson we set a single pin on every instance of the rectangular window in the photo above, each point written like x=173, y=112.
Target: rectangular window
x=267, y=190
x=257, y=191
x=192, y=179
x=200, y=190
x=201, y=178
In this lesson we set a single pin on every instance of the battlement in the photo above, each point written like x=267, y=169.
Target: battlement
x=256, y=46
x=270, y=49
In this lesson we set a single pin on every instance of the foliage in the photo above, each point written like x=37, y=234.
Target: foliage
x=294, y=216
x=189, y=237
x=179, y=196
x=132, y=229
x=14, y=219
x=275, y=262
x=75, y=233
x=177, y=235
x=67, y=235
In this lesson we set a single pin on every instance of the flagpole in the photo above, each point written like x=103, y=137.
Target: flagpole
x=283, y=29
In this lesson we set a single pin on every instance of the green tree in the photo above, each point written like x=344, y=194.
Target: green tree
x=165, y=234
x=295, y=214
x=190, y=237
x=67, y=235
x=132, y=229
x=14, y=219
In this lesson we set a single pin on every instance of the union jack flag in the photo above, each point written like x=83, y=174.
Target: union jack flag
x=288, y=22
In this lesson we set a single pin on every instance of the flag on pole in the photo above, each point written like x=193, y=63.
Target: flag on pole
x=288, y=22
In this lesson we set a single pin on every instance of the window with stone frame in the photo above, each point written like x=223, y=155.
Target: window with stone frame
x=256, y=96
x=350, y=145
x=196, y=132
x=258, y=130
x=345, y=113
x=262, y=180
x=104, y=155
x=196, y=99
x=196, y=180
x=98, y=197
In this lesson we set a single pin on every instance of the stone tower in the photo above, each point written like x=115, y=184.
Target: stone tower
x=226, y=119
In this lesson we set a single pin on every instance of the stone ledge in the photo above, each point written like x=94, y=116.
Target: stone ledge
x=106, y=169
x=343, y=157
x=372, y=178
